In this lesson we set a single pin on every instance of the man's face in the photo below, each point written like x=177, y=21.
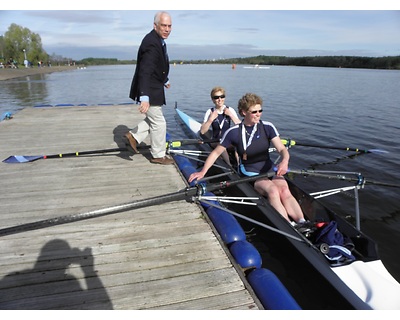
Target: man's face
x=163, y=28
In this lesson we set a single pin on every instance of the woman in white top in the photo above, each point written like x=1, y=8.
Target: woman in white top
x=219, y=118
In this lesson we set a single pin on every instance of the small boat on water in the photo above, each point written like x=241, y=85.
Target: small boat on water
x=314, y=274
x=256, y=66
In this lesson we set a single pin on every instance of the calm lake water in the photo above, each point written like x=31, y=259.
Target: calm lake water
x=320, y=106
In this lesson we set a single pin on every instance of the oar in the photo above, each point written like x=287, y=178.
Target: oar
x=290, y=142
x=342, y=176
x=22, y=159
x=169, y=144
x=188, y=194
x=98, y=213
x=337, y=160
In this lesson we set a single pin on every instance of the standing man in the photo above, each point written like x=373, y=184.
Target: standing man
x=149, y=80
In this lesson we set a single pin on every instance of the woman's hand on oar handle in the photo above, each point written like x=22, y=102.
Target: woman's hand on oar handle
x=281, y=169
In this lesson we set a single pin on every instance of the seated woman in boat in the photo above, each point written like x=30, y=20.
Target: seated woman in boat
x=252, y=138
x=219, y=118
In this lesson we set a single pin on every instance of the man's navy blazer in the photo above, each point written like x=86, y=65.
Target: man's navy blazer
x=151, y=73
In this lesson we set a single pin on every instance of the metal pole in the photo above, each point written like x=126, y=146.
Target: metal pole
x=357, y=207
x=26, y=60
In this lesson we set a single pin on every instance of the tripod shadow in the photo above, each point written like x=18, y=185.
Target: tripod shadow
x=50, y=284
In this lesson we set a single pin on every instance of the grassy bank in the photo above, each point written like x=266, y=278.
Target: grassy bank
x=8, y=73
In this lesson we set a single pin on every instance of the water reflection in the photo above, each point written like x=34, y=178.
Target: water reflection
x=26, y=91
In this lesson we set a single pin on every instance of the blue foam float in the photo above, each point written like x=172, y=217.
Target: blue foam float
x=227, y=226
x=270, y=290
x=245, y=254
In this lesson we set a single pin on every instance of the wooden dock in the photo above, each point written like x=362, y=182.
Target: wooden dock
x=159, y=257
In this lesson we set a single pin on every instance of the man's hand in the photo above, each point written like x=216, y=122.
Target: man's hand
x=144, y=107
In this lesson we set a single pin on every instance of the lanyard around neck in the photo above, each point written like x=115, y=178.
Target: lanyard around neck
x=221, y=124
x=246, y=145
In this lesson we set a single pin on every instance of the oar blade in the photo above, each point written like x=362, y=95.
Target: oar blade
x=377, y=151
x=21, y=159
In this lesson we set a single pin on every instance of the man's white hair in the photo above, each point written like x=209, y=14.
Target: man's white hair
x=158, y=15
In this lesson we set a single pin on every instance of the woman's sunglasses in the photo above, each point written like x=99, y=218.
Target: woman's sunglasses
x=222, y=96
x=255, y=111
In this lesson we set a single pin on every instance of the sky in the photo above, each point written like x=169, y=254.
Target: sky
x=213, y=31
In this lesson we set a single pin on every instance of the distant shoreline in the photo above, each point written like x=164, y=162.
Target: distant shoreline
x=8, y=73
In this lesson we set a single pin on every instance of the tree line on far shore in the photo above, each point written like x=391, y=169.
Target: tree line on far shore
x=387, y=63
x=19, y=45
x=390, y=62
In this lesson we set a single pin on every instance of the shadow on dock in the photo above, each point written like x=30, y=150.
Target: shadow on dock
x=54, y=279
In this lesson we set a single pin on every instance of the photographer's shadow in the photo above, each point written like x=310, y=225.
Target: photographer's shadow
x=51, y=283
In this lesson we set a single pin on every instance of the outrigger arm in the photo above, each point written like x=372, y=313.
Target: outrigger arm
x=360, y=183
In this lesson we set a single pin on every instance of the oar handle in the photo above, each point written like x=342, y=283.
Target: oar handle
x=179, y=143
x=229, y=183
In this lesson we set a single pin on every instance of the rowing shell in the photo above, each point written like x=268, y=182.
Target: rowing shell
x=362, y=284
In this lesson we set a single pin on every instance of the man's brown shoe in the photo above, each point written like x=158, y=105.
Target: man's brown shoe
x=163, y=160
x=132, y=141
